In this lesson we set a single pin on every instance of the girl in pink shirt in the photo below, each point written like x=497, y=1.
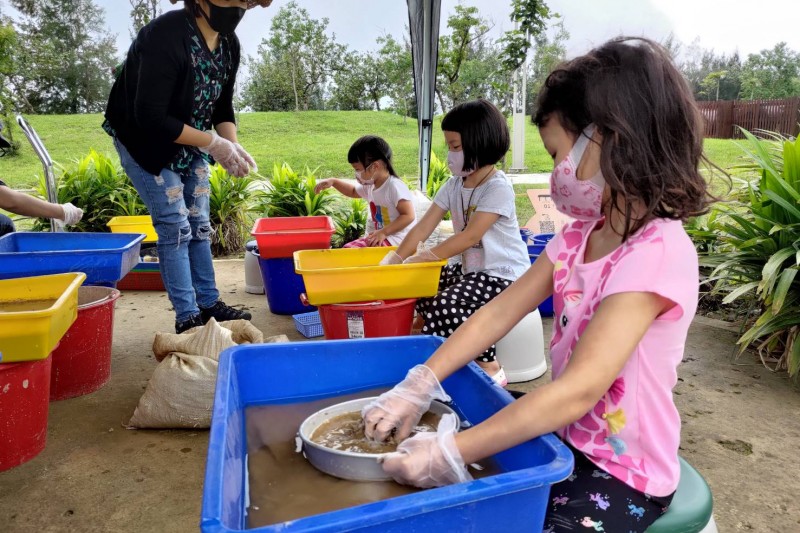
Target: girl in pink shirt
x=626, y=140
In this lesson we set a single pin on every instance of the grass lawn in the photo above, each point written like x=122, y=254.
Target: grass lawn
x=317, y=139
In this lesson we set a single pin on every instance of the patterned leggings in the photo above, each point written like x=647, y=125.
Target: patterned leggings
x=459, y=296
x=593, y=500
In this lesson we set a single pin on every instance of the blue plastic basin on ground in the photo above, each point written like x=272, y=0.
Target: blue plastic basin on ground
x=283, y=286
x=105, y=258
x=515, y=500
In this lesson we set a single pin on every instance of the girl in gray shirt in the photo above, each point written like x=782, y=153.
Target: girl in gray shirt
x=481, y=201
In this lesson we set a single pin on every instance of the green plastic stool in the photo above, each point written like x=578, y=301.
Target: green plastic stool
x=690, y=511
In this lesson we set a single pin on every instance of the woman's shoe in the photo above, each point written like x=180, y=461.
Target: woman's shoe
x=222, y=313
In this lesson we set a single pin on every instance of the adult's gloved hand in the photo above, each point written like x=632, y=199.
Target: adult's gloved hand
x=429, y=460
x=251, y=163
x=395, y=413
x=72, y=214
x=225, y=153
x=423, y=255
x=391, y=259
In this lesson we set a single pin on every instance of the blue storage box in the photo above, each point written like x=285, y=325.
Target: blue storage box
x=283, y=286
x=309, y=324
x=105, y=258
x=546, y=307
x=514, y=500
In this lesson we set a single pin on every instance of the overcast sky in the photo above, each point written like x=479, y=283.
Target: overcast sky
x=724, y=25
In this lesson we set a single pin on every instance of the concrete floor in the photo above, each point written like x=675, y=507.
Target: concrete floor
x=741, y=429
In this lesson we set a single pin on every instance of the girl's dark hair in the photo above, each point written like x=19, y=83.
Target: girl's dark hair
x=652, y=131
x=191, y=6
x=484, y=132
x=369, y=149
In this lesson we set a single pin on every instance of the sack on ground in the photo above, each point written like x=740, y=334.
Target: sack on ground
x=180, y=393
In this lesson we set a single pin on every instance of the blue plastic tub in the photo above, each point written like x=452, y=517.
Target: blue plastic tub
x=105, y=258
x=515, y=500
x=283, y=286
x=546, y=307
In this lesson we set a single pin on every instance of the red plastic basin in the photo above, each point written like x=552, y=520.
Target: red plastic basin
x=82, y=360
x=389, y=318
x=24, y=400
x=280, y=237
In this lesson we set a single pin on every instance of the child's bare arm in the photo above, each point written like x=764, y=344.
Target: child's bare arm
x=25, y=205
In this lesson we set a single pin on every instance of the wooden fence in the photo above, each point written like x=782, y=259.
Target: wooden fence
x=723, y=117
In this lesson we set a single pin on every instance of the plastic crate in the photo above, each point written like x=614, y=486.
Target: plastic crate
x=142, y=280
x=136, y=224
x=280, y=237
x=353, y=275
x=512, y=501
x=308, y=324
x=32, y=335
x=105, y=258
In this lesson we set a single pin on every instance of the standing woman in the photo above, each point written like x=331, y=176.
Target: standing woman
x=177, y=82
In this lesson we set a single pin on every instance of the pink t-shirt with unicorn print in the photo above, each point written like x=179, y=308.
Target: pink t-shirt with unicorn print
x=634, y=430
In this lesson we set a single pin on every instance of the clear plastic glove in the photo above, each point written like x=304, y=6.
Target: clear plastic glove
x=251, y=163
x=423, y=255
x=72, y=214
x=322, y=185
x=428, y=460
x=225, y=153
x=391, y=259
x=395, y=413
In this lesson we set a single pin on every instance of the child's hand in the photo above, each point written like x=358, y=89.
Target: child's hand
x=391, y=259
x=423, y=255
x=322, y=185
x=376, y=238
x=428, y=460
x=72, y=214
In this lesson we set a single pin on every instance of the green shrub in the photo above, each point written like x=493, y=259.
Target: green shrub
x=97, y=185
x=289, y=194
x=757, y=255
x=232, y=202
x=438, y=175
x=350, y=221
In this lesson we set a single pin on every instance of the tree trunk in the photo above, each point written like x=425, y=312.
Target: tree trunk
x=294, y=89
x=441, y=100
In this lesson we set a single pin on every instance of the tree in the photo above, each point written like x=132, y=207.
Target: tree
x=548, y=52
x=300, y=54
x=469, y=66
x=8, y=68
x=530, y=16
x=65, y=66
x=142, y=12
x=702, y=68
x=360, y=83
x=772, y=73
x=396, y=66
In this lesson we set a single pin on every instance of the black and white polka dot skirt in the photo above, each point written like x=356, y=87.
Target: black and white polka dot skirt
x=459, y=296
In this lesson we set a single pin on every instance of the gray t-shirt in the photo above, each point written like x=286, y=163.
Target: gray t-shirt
x=501, y=252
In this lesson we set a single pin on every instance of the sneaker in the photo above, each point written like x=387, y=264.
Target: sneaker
x=221, y=313
x=189, y=323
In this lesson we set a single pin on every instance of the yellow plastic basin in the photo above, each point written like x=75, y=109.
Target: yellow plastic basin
x=353, y=275
x=137, y=224
x=35, y=313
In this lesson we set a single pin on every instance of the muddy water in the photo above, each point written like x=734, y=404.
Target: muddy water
x=18, y=306
x=346, y=433
x=283, y=484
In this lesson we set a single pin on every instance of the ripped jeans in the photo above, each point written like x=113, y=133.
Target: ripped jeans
x=179, y=207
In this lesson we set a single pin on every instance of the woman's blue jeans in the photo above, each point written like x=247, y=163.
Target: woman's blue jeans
x=179, y=207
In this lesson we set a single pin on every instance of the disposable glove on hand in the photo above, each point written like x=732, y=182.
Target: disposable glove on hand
x=395, y=413
x=391, y=259
x=429, y=460
x=225, y=153
x=72, y=214
x=251, y=163
x=423, y=255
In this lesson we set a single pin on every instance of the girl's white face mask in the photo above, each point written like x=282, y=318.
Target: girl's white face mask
x=455, y=162
x=361, y=180
x=580, y=199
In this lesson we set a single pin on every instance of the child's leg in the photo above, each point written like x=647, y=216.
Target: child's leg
x=6, y=225
x=358, y=243
x=593, y=500
x=455, y=304
x=449, y=275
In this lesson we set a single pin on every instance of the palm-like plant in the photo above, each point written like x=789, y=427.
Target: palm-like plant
x=758, y=255
x=289, y=194
x=350, y=222
x=232, y=202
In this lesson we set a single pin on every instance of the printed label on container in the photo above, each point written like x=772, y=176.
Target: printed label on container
x=355, y=324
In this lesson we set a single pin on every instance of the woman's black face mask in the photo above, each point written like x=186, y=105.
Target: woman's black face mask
x=223, y=19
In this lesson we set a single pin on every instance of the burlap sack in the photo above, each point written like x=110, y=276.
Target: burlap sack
x=180, y=393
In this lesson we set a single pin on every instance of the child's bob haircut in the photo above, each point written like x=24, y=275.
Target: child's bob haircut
x=368, y=149
x=484, y=132
x=652, y=131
